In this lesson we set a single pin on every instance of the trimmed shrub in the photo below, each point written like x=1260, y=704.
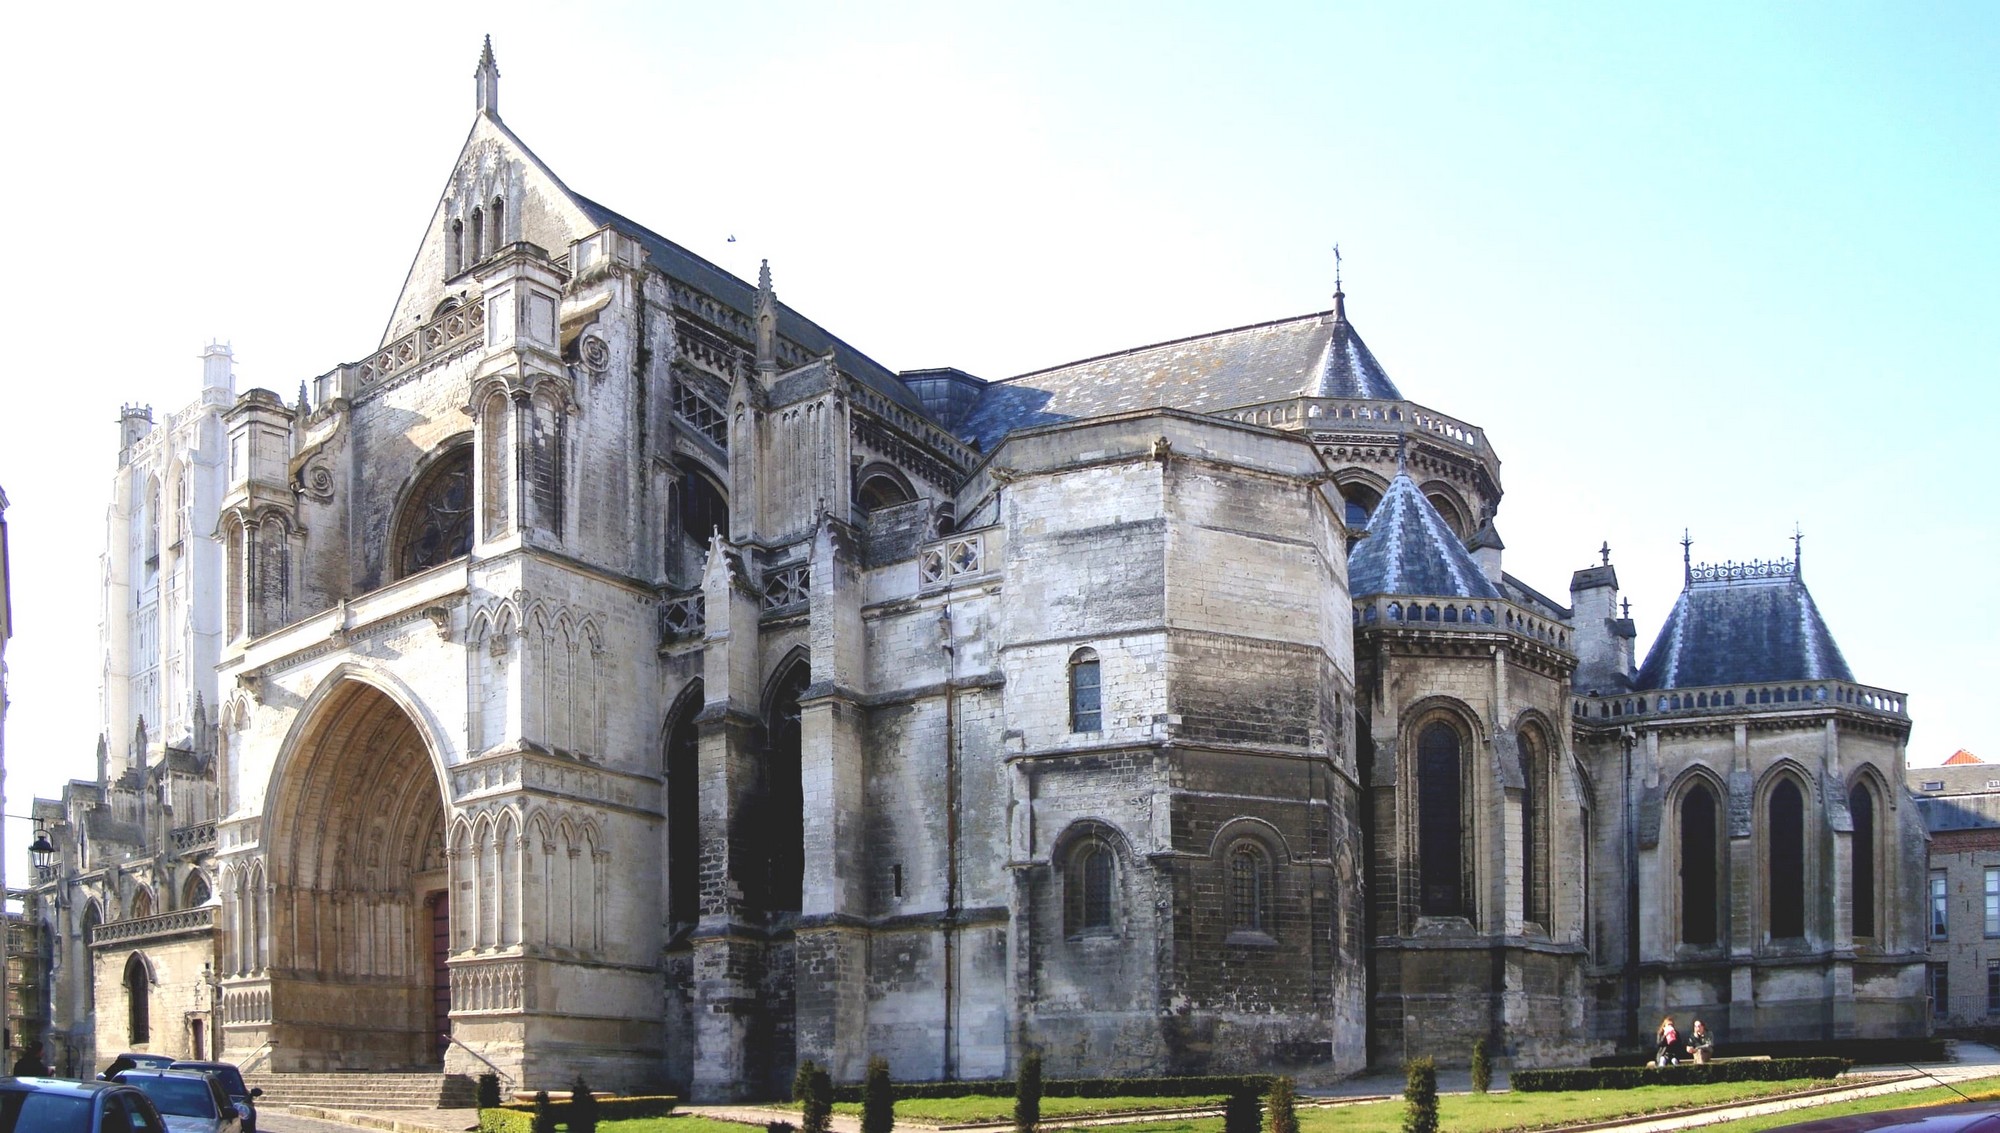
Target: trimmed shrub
x=1482, y=1067
x=1243, y=1113
x=878, y=1098
x=1028, y=1094
x=1281, y=1105
x=582, y=1107
x=779, y=1127
x=488, y=1092
x=497, y=1120
x=812, y=1088
x=1420, y=1097
x=1686, y=1074
x=545, y=1114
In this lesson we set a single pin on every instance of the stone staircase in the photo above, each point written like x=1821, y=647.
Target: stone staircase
x=366, y=1089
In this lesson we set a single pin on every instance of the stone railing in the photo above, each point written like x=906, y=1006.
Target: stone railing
x=788, y=588
x=951, y=558
x=192, y=839
x=454, y=328
x=1329, y=414
x=1458, y=615
x=683, y=616
x=248, y=1004
x=1776, y=696
x=176, y=923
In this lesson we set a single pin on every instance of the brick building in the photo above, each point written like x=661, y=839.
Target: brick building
x=621, y=673
x=1960, y=804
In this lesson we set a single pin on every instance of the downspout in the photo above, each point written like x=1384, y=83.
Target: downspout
x=950, y=841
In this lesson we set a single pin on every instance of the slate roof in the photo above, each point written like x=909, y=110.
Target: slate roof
x=678, y=263
x=1410, y=549
x=1738, y=630
x=1346, y=368
x=1317, y=355
x=1960, y=812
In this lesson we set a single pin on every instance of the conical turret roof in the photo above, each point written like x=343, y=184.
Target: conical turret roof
x=1741, y=624
x=1346, y=368
x=1410, y=549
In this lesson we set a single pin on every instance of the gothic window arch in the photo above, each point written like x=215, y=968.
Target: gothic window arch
x=881, y=486
x=783, y=792
x=1699, y=821
x=1443, y=822
x=1086, y=692
x=1250, y=896
x=496, y=221
x=195, y=892
x=435, y=526
x=141, y=905
x=1090, y=888
x=1445, y=500
x=1867, y=858
x=683, y=778
x=138, y=1000
x=454, y=249
x=477, y=251
x=1785, y=874
x=1536, y=813
x=704, y=505
x=1358, y=501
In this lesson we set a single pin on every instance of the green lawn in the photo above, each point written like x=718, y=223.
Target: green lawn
x=686, y=1123
x=1979, y=1089
x=961, y=1111
x=1494, y=1113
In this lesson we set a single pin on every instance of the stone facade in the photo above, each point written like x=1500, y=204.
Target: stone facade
x=623, y=675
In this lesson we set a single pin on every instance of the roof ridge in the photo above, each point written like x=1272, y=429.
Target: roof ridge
x=1129, y=351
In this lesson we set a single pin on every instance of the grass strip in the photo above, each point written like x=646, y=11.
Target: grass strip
x=1978, y=1089
x=1510, y=1112
x=677, y=1123
x=965, y=1111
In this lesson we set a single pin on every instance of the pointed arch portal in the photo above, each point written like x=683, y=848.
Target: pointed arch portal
x=358, y=887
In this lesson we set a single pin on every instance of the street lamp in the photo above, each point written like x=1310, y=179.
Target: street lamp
x=41, y=850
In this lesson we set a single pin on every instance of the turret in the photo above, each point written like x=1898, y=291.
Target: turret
x=1604, y=637
x=486, y=81
x=134, y=423
x=218, y=371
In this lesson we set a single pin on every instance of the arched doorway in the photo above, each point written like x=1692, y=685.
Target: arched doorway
x=355, y=829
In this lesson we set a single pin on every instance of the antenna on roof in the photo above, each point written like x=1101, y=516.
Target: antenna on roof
x=1339, y=296
x=1687, y=561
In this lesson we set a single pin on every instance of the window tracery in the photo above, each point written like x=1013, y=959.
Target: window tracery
x=437, y=518
x=1249, y=888
x=1087, y=907
x=1441, y=822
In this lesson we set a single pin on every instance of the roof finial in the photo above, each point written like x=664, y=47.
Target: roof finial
x=1605, y=552
x=1628, y=609
x=1402, y=443
x=1798, y=537
x=765, y=319
x=1687, y=559
x=1339, y=296
x=487, y=80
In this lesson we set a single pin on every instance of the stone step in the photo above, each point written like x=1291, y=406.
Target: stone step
x=366, y=1090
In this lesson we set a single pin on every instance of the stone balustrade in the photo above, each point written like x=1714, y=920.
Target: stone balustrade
x=192, y=839
x=683, y=616
x=1458, y=615
x=954, y=557
x=1359, y=414
x=1775, y=696
x=177, y=923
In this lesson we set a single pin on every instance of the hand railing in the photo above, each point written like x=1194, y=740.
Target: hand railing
x=453, y=1040
x=262, y=1052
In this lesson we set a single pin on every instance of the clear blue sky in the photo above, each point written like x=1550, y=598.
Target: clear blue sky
x=1725, y=267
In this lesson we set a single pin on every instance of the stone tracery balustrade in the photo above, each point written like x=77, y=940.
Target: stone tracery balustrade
x=190, y=839
x=176, y=923
x=1463, y=615
x=1775, y=696
x=788, y=588
x=457, y=327
x=683, y=616
x=957, y=556
x=1361, y=414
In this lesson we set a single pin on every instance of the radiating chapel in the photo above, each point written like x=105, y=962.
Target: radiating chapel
x=621, y=673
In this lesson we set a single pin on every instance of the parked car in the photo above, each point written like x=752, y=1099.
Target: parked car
x=231, y=1078
x=131, y=1059
x=1964, y=1117
x=189, y=1100
x=52, y=1105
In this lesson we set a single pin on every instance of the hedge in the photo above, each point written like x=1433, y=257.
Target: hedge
x=1863, y=1051
x=1258, y=1084
x=1686, y=1074
x=514, y=1117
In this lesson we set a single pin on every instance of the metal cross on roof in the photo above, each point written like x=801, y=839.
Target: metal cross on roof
x=1605, y=551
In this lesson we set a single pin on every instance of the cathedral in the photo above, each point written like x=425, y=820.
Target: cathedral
x=614, y=671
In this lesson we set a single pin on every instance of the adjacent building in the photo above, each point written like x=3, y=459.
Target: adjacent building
x=620, y=673
x=1960, y=802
